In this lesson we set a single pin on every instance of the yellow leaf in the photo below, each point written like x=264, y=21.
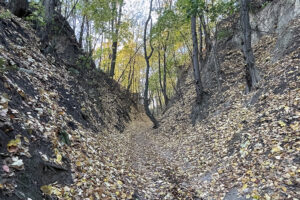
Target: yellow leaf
x=281, y=123
x=283, y=188
x=56, y=191
x=295, y=126
x=123, y=196
x=119, y=182
x=244, y=186
x=276, y=149
x=255, y=196
x=250, y=172
x=78, y=163
x=13, y=145
x=1, y=186
x=47, y=189
x=26, y=140
x=58, y=156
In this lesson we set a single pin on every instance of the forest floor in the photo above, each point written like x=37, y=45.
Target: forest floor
x=155, y=164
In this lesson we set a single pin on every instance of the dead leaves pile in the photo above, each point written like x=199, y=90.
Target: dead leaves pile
x=97, y=168
x=245, y=144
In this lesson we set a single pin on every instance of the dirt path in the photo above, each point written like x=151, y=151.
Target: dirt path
x=160, y=172
x=155, y=165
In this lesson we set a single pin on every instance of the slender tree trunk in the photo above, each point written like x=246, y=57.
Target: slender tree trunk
x=159, y=71
x=200, y=42
x=74, y=20
x=206, y=36
x=115, y=43
x=81, y=31
x=197, y=77
x=49, y=6
x=159, y=97
x=252, y=74
x=101, y=49
x=165, y=72
x=132, y=58
x=88, y=38
x=147, y=59
x=131, y=79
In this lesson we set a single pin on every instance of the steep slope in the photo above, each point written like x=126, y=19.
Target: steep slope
x=248, y=144
x=55, y=120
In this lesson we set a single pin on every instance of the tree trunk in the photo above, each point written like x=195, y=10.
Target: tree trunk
x=147, y=59
x=19, y=7
x=101, y=49
x=200, y=42
x=159, y=98
x=88, y=38
x=131, y=78
x=49, y=6
x=115, y=43
x=252, y=74
x=197, y=77
x=81, y=31
x=165, y=73
x=206, y=37
x=159, y=71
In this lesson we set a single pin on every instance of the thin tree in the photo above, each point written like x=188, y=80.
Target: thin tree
x=49, y=7
x=196, y=67
x=165, y=71
x=147, y=59
x=252, y=74
x=81, y=30
x=115, y=40
x=206, y=36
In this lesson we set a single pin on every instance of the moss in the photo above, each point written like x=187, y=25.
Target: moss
x=5, y=15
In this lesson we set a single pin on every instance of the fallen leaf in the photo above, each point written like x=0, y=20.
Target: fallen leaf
x=47, y=189
x=5, y=168
x=244, y=187
x=276, y=149
x=281, y=123
x=13, y=145
x=17, y=163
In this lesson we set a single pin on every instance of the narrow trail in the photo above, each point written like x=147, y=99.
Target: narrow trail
x=155, y=165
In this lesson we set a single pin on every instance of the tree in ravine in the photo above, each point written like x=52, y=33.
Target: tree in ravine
x=115, y=24
x=252, y=74
x=191, y=8
x=196, y=66
x=147, y=59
